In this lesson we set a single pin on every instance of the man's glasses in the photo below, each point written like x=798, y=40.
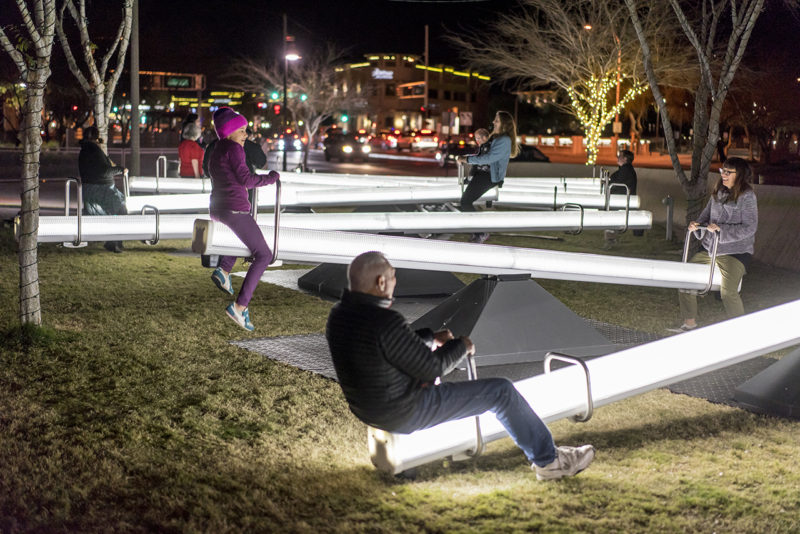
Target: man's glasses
x=726, y=172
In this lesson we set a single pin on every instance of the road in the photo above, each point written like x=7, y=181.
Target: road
x=52, y=192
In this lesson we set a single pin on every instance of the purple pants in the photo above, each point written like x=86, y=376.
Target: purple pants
x=246, y=229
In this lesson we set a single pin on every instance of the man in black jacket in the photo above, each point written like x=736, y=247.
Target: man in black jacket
x=97, y=171
x=387, y=373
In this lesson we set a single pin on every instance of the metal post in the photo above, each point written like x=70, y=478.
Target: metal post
x=134, y=124
x=670, y=203
x=285, y=111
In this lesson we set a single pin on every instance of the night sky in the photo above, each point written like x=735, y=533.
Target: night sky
x=201, y=35
x=205, y=35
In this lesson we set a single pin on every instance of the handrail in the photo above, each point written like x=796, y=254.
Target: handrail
x=605, y=176
x=126, y=188
x=627, y=203
x=79, y=207
x=555, y=197
x=715, y=241
x=580, y=207
x=277, y=220
x=462, y=173
x=156, y=238
x=548, y=359
x=480, y=445
x=159, y=165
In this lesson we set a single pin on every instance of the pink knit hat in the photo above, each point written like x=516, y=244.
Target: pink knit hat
x=227, y=121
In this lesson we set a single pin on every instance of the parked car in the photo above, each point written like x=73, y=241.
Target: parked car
x=384, y=140
x=292, y=140
x=417, y=140
x=530, y=153
x=453, y=147
x=345, y=147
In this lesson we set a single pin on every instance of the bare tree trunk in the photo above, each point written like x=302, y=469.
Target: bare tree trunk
x=29, y=304
x=34, y=68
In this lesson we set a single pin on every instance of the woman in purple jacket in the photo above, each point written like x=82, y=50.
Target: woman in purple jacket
x=230, y=180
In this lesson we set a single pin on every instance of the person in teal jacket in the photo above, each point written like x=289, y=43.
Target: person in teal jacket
x=503, y=147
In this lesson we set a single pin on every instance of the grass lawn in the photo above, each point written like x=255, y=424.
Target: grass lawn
x=130, y=411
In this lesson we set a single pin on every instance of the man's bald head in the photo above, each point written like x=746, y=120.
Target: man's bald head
x=370, y=273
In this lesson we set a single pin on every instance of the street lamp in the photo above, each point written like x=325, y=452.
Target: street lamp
x=289, y=54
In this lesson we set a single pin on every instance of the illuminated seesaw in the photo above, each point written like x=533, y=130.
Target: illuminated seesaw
x=373, y=196
x=152, y=227
x=576, y=390
x=317, y=246
x=156, y=184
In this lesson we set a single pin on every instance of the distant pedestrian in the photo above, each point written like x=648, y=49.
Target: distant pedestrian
x=97, y=171
x=230, y=180
x=190, y=152
x=503, y=146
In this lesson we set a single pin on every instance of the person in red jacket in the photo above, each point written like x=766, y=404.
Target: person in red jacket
x=230, y=180
x=190, y=152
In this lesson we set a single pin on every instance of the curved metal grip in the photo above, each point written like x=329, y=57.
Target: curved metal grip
x=714, y=243
x=79, y=207
x=576, y=361
x=573, y=205
x=155, y=239
x=627, y=203
x=462, y=173
x=480, y=445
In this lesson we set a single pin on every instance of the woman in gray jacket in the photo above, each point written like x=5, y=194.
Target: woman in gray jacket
x=732, y=212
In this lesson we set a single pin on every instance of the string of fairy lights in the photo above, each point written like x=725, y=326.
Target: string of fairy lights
x=591, y=106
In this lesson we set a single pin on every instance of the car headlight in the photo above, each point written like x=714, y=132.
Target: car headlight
x=366, y=149
x=347, y=149
x=438, y=156
x=298, y=144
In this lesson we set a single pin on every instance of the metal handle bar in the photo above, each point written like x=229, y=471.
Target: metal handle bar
x=480, y=446
x=627, y=203
x=576, y=361
x=79, y=207
x=156, y=238
x=573, y=205
x=715, y=241
x=277, y=220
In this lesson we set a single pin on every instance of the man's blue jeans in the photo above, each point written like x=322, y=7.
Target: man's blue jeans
x=456, y=400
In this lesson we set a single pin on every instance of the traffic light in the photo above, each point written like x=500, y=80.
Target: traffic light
x=276, y=108
x=345, y=118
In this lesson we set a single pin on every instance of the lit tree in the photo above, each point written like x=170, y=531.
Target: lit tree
x=312, y=97
x=31, y=55
x=581, y=47
x=100, y=79
x=718, y=31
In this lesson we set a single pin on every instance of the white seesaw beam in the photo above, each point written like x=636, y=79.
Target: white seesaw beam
x=57, y=229
x=315, y=246
x=520, y=199
x=614, y=377
x=369, y=196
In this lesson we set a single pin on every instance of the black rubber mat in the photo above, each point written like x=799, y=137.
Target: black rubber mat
x=310, y=352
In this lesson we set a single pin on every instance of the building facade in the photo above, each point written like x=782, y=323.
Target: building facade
x=399, y=92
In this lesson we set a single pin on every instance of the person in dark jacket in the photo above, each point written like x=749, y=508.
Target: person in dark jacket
x=97, y=171
x=626, y=175
x=388, y=373
x=230, y=180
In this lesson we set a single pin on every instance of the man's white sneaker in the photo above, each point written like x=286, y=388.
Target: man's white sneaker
x=682, y=328
x=569, y=462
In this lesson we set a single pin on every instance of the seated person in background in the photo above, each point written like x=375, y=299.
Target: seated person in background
x=626, y=174
x=190, y=152
x=387, y=373
x=97, y=171
x=732, y=211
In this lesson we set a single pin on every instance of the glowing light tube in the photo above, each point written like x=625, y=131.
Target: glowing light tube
x=370, y=196
x=614, y=377
x=316, y=246
x=536, y=199
x=59, y=229
x=151, y=184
